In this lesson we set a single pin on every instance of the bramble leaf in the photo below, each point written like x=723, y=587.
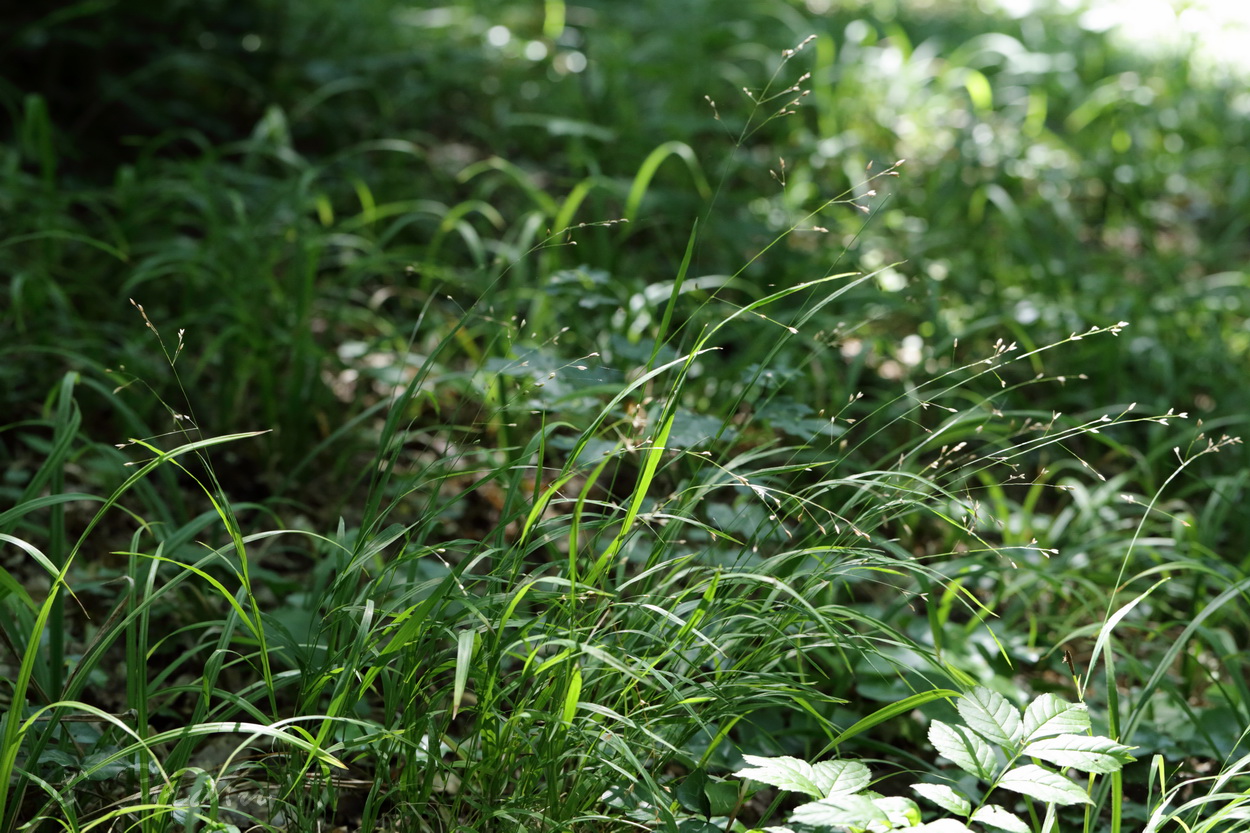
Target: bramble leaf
x=1088, y=754
x=994, y=816
x=942, y=826
x=1049, y=715
x=964, y=748
x=900, y=811
x=1044, y=785
x=844, y=811
x=944, y=797
x=826, y=779
x=837, y=778
x=990, y=715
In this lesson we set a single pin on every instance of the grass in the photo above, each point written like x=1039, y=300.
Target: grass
x=527, y=469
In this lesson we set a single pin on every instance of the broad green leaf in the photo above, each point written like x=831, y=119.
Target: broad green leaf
x=1044, y=785
x=101, y=766
x=1049, y=715
x=822, y=780
x=690, y=793
x=699, y=794
x=58, y=757
x=698, y=826
x=838, y=778
x=1088, y=754
x=991, y=815
x=722, y=796
x=990, y=715
x=844, y=811
x=942, y=826
x=944, y=797
x=784, y=772
x=899, y=811
x=964, y=748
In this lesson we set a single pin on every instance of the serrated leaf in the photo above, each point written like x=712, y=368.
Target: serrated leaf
x=994, y=816
x=1049, y=715
x=942, y=826
x=944, y=797
x=990, y=715
x=844, y=811
x=899, y=811
x=964, y=748
x=1044, y=785
x=785, y=773
x=837, y=778
x=1088, y=754
x=820, y=781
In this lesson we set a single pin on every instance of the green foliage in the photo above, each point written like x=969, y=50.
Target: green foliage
x=506, y=416
x=990, y=747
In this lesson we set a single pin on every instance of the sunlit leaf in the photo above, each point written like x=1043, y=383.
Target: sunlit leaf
x=994, y=816
x=942, y=826
x=964, y=748
x=821, y=780
x=1049, y=715
x=944, y=797
x=845, y=811
x=990, y=715
x=900, y=811
x=1088, y=754
x=1044, y=785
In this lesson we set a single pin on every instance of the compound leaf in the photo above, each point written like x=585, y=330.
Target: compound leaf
x=1049, y=715
x=1044, y=785
x=1088, y=754
x=964, y=748
x=991, y=815
x=990, y=715
x=944, y=797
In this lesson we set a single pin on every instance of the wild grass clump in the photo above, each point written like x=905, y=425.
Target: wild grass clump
x=538, y=469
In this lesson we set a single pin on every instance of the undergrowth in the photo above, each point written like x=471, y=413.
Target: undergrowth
x=546, y=494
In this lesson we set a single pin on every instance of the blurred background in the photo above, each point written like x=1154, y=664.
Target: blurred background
x=293, y=183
